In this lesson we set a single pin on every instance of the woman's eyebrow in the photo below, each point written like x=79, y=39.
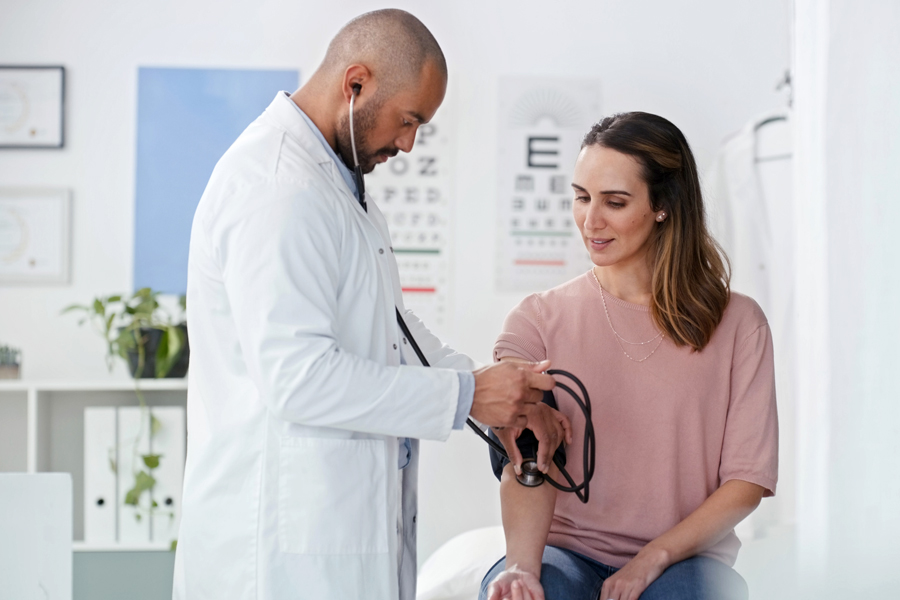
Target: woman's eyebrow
x=604, y=192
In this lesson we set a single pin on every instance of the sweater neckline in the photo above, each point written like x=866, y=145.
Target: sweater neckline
x=610, y=298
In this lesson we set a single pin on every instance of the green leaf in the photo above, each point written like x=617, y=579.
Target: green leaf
x=72, y=307
x=173, y=545
x=111, y=455
x=137, y=517
x=109, y=322
x=99, y=308
x=169, y=349
x=155, y=426
x=114, y=299
x=154, y=504
x=151, y=460
x=143, y=481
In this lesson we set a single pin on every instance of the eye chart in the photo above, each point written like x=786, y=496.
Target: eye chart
x=542, y=123
x=413, y=192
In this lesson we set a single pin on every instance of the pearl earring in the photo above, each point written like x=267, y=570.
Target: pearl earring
x=660, y=217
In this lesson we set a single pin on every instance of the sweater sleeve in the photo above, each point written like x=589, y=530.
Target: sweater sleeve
x=521, y=336
x=750, y=447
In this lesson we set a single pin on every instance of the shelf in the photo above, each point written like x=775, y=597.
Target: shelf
x=123, y=385
x=148, y=547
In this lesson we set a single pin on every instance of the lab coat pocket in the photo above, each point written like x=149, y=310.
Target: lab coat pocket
x=332, y=496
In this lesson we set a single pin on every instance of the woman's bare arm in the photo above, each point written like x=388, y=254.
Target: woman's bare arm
x=699, y=531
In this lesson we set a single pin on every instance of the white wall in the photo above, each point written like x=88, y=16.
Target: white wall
x=707, y=65
x=848, y=92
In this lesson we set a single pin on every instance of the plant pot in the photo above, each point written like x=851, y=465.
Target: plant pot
x=153, y=336
x=9, y=371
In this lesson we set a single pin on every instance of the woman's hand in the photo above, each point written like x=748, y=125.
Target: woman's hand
x=515, y=584
x=549, y=426
x=630, y=581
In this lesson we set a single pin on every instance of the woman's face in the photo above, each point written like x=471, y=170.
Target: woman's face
x=612, y=206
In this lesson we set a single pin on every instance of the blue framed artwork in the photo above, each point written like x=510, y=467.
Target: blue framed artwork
x=186, y=120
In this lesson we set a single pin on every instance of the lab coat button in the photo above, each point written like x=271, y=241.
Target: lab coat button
x=381, y=251
x=395, y=346
x=404, y=340
x=414, y=518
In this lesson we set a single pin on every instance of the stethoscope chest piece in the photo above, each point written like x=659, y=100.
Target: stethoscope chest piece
x=531, y=476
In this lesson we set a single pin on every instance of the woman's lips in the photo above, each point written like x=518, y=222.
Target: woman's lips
x=600, y=244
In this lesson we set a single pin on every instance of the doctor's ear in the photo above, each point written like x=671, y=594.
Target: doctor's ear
x=356, y=77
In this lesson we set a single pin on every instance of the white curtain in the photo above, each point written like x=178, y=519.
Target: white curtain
x=847, y=259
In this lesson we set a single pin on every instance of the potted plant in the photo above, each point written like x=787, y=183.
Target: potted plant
x=10, y=361
x=154, y=345
x=141, y=332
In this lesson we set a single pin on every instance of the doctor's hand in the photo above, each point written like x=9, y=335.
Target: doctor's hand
x=515, y=584
x=550, y=427
x=506, y=392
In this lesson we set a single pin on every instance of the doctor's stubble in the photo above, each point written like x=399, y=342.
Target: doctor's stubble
x=363, y=122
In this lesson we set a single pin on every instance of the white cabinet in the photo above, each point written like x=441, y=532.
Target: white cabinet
x=42, y=430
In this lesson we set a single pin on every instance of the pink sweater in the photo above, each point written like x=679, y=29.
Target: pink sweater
x=669, y=430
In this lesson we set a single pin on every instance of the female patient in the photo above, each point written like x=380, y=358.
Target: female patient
x=680, y=373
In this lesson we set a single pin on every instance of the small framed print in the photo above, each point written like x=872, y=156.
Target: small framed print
x=32, y=106
x=34, y=235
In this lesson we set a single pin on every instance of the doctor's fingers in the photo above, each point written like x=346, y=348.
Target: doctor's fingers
x=508, y=437
x=540, y=381
x=547, y=427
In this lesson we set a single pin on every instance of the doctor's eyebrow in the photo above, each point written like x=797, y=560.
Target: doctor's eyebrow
x=418, y=117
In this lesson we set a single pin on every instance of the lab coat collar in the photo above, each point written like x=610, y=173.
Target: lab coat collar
x=285, y=114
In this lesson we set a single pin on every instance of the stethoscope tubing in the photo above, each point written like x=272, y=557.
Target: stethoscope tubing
x=582, y=490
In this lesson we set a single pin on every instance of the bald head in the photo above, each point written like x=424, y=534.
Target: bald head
x=392, y=43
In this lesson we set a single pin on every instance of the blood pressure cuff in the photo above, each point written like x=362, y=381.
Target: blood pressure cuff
x=527, y=444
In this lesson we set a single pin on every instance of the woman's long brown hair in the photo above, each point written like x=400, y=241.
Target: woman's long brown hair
x=690, y=283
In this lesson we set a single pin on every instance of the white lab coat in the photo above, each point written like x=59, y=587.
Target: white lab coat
x=296, y=395
x=749, y=193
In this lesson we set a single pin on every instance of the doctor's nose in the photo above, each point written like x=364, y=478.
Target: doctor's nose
x=405, y=142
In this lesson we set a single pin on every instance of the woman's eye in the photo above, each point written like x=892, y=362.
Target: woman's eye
x=582, y=198
x=614, y=204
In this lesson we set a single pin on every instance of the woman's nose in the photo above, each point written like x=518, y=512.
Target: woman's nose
x=594, y=220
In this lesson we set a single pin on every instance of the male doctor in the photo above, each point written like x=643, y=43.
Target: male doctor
x=305, y=399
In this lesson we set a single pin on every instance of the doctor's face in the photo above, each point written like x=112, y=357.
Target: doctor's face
x=388, y=123
x=612, y=206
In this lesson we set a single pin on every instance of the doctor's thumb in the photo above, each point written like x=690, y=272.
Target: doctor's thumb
x=540, y=367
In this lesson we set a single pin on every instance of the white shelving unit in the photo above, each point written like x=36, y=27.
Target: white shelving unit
x=42, y=430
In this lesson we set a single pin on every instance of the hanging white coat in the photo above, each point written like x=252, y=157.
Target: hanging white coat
x=296, y=394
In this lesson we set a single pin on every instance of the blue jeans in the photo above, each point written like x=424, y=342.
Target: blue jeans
x=567, y=575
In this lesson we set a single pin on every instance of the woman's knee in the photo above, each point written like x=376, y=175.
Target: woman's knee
x=698, y=578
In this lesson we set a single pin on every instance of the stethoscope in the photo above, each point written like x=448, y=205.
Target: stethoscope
x=531, y=475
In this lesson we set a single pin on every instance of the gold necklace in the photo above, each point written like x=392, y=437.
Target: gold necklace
x=619, y=338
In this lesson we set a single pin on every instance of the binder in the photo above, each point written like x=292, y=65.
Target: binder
x=134, y=442
x=100, y=459
x=169, y=443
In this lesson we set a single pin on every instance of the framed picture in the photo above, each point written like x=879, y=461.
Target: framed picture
x=32, y=106
x=34, y=235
